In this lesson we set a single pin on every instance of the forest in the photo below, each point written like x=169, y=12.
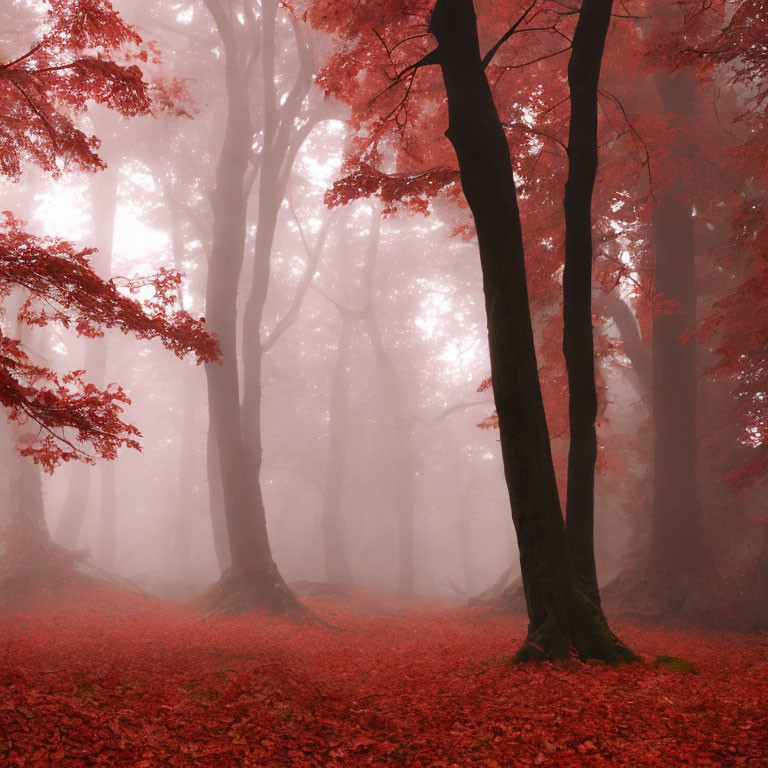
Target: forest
x=385, y=383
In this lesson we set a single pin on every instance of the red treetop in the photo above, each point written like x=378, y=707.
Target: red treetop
x=84, y=53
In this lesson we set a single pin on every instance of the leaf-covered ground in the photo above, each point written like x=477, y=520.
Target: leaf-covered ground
x=108, y=678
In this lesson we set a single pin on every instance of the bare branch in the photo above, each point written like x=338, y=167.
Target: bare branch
x=503, y=39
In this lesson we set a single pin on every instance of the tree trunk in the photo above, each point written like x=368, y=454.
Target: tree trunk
x=677, y=554
x=103, y=210
x=281, y=143
x=578, y=341
x=216, y=499
x=253, y=579
x=70, y=523
x=249, y=547
x=72, y=516
x=106, y=544
x=404, y=490
x=559, y=609
x=334, y=542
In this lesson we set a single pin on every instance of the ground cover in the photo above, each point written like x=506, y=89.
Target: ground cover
x=106, y=677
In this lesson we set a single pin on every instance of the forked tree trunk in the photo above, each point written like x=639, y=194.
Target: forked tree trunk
x=559, y=608
x=578, y=341
x=253, y=579
x=253, y=574
x=281, y=143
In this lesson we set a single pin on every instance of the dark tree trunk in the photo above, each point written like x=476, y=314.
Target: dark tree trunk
x=559, y=608
x=578, y=342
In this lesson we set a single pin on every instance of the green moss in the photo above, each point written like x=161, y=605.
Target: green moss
x=674, y=664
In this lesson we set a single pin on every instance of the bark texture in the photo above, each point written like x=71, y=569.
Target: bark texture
x=578, y=341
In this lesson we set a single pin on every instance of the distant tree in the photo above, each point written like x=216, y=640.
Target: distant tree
x=269, y=115
x=84, y=53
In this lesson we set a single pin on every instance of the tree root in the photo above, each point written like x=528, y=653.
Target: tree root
x=573, y=620
x=670, y=595
x=252, y=587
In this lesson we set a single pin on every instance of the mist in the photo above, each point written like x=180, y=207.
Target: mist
x=375, y=348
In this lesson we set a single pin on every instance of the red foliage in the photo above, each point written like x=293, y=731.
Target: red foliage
x=123, y=681
x=398, y=114
x=76, y=60
x=84, y=54
x=63, y=288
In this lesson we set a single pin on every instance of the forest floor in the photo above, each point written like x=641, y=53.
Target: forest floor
x=116, y=679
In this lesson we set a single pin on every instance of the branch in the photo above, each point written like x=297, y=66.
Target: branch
x=313, y=257
x=503, y=39
x=647, y=161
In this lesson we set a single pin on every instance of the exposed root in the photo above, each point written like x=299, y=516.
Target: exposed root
x=573, y=621
x=671, y=595
x=548, y=642
x=492, y=594
x=252, y=587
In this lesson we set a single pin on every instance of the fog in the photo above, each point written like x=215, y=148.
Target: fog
x=353, y=338
x=384, y=383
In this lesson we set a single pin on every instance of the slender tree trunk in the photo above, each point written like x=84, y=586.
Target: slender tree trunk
x=103, y=210
x=70, y=523
x=281, y=143
x=578, y=342
x=404, y=490
x=613, y=306
x=559, y=609
x=332, y=524
x=106, y=545
x=72, y=516
x=179, y=538
x=247, y=536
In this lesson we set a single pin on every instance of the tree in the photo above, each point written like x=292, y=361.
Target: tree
x=578, y=342
x=249, y=38
x=560, y=609
x=85, y=53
